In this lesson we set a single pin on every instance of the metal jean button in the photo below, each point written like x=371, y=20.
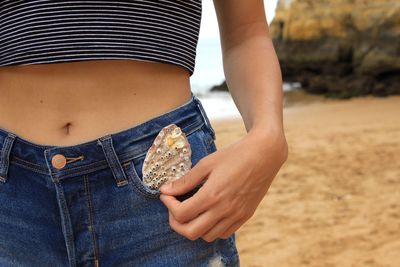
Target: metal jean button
x=58, y=161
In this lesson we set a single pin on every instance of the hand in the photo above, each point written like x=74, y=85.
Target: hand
x=237, y=178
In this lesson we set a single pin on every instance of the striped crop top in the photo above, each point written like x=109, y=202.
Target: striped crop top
x=44, y=31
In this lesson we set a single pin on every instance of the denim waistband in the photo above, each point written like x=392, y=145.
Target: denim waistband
x=106, y=151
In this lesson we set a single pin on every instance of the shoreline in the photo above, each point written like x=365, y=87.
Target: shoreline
x=220, y=105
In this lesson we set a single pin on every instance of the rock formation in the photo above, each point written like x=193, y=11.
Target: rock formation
x=340, y=48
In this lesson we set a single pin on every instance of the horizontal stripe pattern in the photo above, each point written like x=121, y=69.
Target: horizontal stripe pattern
x=43, y=31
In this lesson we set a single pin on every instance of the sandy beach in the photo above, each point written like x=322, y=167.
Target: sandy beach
x=336, y=201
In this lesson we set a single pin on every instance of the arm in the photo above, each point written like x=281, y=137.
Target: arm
x=251, y=67
x=239, y=175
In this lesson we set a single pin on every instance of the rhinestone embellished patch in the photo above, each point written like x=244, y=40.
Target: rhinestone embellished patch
x=168, y=158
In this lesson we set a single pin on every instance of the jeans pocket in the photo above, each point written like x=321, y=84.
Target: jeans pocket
x=201, y=144
x=133, y=171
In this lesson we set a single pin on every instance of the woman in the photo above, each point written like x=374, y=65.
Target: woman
x=86, y=86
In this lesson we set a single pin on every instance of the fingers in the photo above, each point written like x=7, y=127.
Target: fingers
x=190, y=208
x=233, y=228
x=208, y=225
x=195, y=228
x=187, y=182
x=223, y=229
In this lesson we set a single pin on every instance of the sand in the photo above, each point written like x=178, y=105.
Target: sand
x=336, y=201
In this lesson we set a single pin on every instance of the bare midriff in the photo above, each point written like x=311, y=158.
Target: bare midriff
x=74, y=102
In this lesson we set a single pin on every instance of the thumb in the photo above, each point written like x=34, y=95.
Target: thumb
x=187, y=182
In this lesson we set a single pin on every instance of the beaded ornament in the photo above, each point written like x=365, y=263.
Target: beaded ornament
x=168, y=158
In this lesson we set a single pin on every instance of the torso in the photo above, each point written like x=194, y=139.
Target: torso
x=74, y=102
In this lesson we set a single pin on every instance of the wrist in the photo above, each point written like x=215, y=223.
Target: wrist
x=270, y=138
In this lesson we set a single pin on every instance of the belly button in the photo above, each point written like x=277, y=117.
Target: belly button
x=67, y=127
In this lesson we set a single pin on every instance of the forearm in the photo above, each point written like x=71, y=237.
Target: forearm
x=254, y=80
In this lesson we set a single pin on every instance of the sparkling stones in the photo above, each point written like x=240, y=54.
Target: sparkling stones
x=176, y=132
x=168, y=158
x=179, y=144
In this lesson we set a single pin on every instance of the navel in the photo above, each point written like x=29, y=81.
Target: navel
x=67, y=127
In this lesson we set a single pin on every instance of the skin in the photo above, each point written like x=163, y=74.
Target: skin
x=237, y=176
x=74, y=102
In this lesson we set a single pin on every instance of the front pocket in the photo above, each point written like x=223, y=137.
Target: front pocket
x=200, y=143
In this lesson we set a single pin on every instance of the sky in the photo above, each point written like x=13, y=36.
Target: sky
x=209, y=24
x=208, y=69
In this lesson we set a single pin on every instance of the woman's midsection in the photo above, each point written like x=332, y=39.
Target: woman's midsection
x=75, y=102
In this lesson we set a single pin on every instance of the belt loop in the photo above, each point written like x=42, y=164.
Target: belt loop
x=112, y=159
x=204, y=115
x=5, y=156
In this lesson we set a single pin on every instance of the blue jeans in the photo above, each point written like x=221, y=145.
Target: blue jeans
x=86, y=204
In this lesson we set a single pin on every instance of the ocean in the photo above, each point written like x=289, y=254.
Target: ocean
x=209, y=72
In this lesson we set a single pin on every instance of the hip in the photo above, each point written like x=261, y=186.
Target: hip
x=94, y=207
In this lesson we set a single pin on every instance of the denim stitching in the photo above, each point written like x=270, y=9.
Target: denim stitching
x=147, y=192
x=201, y=122
x=91, y=217
x=66, y=225
x=84, y=171
x=94, y=166
x=28, y=167
x=102, y=162
x=5, y=156
x=205, y=117
x=28, y=164
x=113, y=161
x=134, y=178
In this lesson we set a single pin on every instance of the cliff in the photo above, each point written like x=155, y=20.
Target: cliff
x=340, y=48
